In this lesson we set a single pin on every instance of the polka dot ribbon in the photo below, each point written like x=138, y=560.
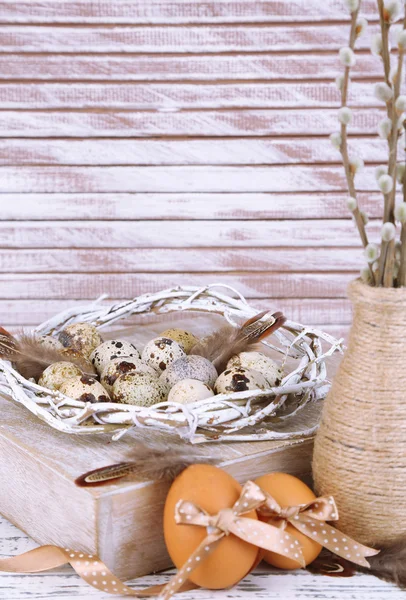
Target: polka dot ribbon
x=310, y=519
x=272, y=535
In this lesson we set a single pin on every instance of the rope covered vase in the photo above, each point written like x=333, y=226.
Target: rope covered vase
x=360, y=447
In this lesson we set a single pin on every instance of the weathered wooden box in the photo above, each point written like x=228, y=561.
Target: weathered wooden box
x=121, y=523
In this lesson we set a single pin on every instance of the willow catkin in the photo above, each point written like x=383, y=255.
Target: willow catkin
x=360, y=448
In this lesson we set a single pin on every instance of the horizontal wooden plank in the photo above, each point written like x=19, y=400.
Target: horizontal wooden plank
x=128, y=285
x=179, y=124
x=179, y=40
x=186, y=68
x=176, y=96
x=179, y=234
x=310, y=311
x=113, y=260
x=239, y=151
x=176, y=11
x=296, y=178
x=104, y=207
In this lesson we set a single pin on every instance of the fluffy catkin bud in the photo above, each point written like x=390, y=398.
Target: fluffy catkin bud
x=352, y=5
x=384, y=128
x=388, y=232
x=339, y=82
x=361, y=26
x=371, y=253
x=381, y=170
x=347, y=57
x=400, y=104
x=356, y=164
x=345, y=115
x=376, y=44
x=383, y=92
x=401, y=38
x=393, y=9
x=400, y=171
x=335, y=139
x=365, y=275
x=364, y=217
x=351, y=203
x=385, y=183
x=400, y=212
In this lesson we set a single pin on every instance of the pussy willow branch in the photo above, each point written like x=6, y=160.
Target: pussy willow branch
x=402, y=268
x=349, y=174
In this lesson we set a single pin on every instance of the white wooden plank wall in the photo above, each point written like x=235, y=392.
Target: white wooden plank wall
x=156, y=142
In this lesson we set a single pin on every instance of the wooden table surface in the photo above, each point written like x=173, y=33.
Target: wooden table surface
x=263, y=583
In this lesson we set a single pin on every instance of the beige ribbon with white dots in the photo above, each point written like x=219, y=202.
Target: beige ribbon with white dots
x=309, y=519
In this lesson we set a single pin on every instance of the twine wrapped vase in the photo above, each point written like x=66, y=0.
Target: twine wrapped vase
x=360, y=447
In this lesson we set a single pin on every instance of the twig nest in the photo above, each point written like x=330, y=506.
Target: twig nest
x=55, y=375
x=161, y=352
x=190, y=367
x=189, y=390
x=239, y=379
x=110, y=350
x=121, y=365
x=258, y=362
x=82, y=337
x=141, y=389
x=184, y=338
x=84, y=388
x=50, y=343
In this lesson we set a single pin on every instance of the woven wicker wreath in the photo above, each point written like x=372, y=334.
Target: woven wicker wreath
x=290, y=410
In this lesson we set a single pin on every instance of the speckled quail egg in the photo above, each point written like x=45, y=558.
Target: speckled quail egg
x=189, y=390
x=119, y=366
x=55, y=375
x=259, y=362
x=184, y=338
x=81, y=361
x=141, y=389
x=50, y=343
x=82, y=337
x=239, y=379
x=84, y=388
x=110, y=350
x=190, y=367
x=161, y=352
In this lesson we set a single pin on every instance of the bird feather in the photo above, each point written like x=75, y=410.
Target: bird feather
x=390, y=563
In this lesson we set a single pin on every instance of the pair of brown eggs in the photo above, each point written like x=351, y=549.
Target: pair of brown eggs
x=212, y=489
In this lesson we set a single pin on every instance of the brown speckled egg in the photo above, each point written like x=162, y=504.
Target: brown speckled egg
x=120, y=366
x=84, y=388
x=259, y=362
x=110, y=350
x=240, y=380
x=82, y=337
x=189, y=390
x=49, y=342
x=184, y=338
x=190, y=367
x=78, y=359
x=141, y=389
x=55, y=375
x=161, y=352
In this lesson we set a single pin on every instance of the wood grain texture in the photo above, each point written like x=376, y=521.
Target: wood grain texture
x=148, y=143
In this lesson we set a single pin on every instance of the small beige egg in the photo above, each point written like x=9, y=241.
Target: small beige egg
x=119, y=366
x=184, y=338
x=110, y=350
x=141, y=389
x=84, y=388
x=81, y=361
x=49, y=342
x=259, y=362
x=55, y=375
x=189, y=390
x=190, y=367
x=161, y=352
x=239, y=379
x=82, y=337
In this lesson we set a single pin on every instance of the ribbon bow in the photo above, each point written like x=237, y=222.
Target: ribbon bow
x=310, y=519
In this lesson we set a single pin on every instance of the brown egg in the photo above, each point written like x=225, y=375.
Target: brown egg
x=212, y=489
x=289, y=491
